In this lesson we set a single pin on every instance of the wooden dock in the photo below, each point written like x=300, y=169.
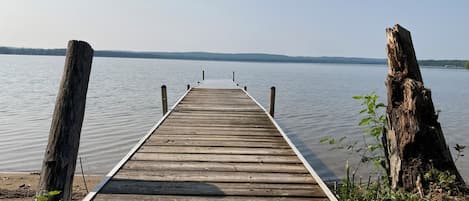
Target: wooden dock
x=214, y=144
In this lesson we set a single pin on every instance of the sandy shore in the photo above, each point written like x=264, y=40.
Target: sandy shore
x=19, y=186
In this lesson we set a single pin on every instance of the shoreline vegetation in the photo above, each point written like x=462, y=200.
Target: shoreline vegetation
x=22, y=186
x=240, y=57
x=403, y=143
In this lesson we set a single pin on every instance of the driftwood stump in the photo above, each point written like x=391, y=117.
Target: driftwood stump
x=413, y=140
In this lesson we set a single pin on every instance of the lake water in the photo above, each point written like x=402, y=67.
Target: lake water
x=124, y=102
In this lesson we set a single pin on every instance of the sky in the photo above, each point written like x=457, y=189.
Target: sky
x=440, y=29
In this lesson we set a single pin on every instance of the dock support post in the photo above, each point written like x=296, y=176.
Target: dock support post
x=245, y=88
x=272, y=101
x=164, y=99
x=188, y=86
x=233, y=76
x=203, y=75
x=60, y=157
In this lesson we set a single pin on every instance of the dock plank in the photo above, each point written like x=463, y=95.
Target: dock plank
x=211, y=189
x=216, y=150
x=214, y=166
x=210, y=176
x=216, y=158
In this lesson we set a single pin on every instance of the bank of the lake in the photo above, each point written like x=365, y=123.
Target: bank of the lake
x=22, y=186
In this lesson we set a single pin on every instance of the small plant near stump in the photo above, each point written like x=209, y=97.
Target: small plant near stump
x=46, y=196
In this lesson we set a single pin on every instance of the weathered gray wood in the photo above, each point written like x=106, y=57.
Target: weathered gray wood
x=228, y=126
x=212, y=189
x=213, y=166
x=127, y=197
x=221, y=120
x=215, y=138
x=206, y=176
x=217, y=124
x=217, y=118
x=164, y=99
x=229, y=158
x=60, y=157
x=214, y=142
x=214, y=114
x=217, y=132
x=233, y=108
x=216, y=150
x=189, y=128
x=272, y=101
x=413, y=140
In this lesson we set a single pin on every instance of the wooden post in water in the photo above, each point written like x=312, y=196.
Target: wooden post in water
x=233, y=76
x=203, y=75
x=188, y=86
x=60, y=157
x=164, y=99
x=272, y=101
x=413, y=139
x=245, y=88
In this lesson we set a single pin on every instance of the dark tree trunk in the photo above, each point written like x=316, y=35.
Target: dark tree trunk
x=413, y=138
x=60, y=157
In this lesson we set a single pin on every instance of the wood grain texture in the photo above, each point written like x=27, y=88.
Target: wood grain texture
x=413, y=139
x=61, y=152
x=210, y=176
x=214, y=166
x=216, y=158
x=216, y=150
x=210, y=188
x=217, y=144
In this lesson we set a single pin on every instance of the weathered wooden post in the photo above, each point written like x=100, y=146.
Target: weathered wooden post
x=272, y=101
x=164, y=99
x=245, y=88
x=203, y=75
x=61, y=152
x=413, y=140
x=233, y=76
x=188, y=86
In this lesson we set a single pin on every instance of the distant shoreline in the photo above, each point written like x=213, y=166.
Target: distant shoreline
x=236, y=57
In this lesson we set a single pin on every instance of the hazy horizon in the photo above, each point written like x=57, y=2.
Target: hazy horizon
x=293, y=28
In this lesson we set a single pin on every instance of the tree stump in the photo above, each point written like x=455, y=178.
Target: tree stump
x=413, y=140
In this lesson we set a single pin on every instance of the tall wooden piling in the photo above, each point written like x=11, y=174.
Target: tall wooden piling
x=233, y=76
x=164, y=99
x=272, y=101
x=60, y=157
x=245, y=88
x=203, y=75
x=188, y=86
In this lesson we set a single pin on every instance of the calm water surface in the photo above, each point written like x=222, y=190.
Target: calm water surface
x=123, y=103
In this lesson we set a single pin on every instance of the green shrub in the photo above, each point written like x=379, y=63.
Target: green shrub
x=369, y=148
